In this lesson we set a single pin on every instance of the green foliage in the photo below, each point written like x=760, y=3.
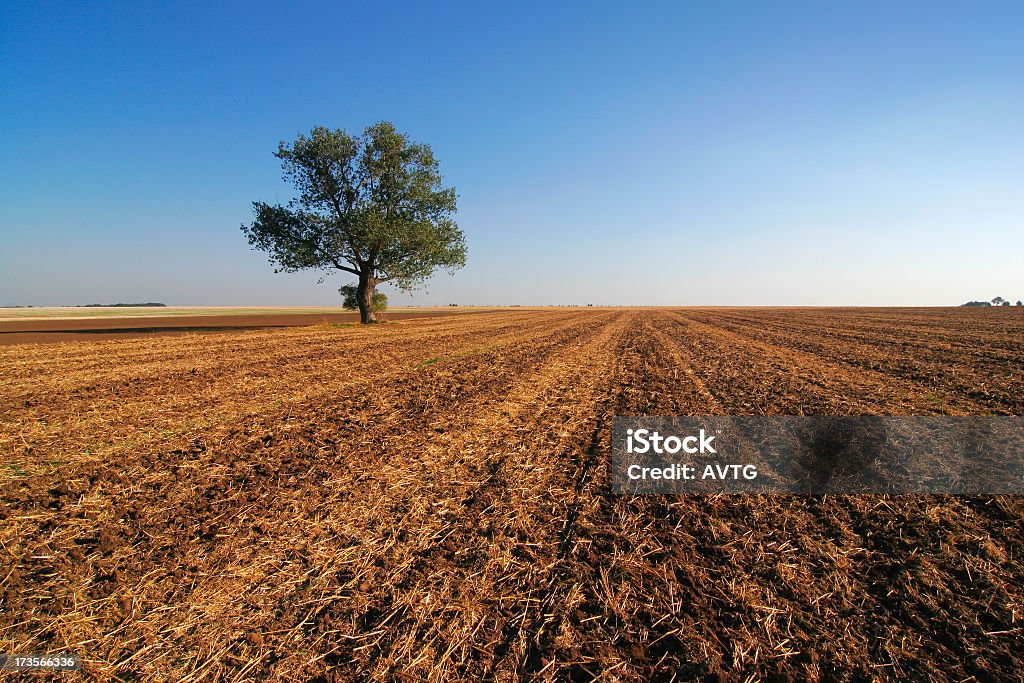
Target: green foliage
x=372, y=205
x=349, y=300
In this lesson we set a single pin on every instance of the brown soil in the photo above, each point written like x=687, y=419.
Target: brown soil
x=49, y=330
x=428, y=501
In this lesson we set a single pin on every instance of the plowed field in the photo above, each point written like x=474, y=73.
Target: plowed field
x=428, y=500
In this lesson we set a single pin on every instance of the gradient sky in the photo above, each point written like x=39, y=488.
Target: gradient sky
x=690, y=153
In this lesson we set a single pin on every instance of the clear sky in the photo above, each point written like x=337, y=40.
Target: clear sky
x=856, y=153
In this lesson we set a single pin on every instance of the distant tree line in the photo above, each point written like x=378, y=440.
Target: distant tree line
x=122, y=305
x=997, y=301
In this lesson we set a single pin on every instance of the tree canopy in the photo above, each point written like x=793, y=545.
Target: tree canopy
x=372, y=205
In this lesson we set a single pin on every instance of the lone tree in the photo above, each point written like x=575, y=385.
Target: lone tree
x=372, y=205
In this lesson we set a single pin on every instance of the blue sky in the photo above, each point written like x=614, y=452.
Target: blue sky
x=748, y=153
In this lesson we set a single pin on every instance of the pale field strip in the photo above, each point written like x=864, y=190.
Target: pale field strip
x=130, y=312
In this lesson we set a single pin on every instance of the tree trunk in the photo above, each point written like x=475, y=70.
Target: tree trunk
x=364, y=297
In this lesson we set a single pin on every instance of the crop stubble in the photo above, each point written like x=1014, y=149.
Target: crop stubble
x=428, y=500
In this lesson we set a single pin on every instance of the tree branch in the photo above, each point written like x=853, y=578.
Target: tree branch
x=341, y=218
x=345, y=268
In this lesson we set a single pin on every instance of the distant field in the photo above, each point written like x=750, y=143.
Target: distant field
x=74, y=312
x=428, y=501
x=47, y=325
